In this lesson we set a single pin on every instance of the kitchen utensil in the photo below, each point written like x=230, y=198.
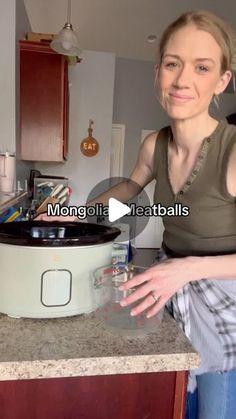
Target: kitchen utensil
x=64, y=192
x=57, y=189
x=46, y=267
x=7, y=172
x=45, y=186
x=107, y=280
x=63, y=200
x=11, y=214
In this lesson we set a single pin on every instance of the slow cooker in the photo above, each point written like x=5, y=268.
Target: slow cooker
x=47, y=267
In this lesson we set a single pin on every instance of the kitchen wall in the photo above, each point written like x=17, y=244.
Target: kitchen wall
x=22, y=26
x=14, y=24
x=7, y=75
x=91, y=97
x=227, y=105
x=136, y=106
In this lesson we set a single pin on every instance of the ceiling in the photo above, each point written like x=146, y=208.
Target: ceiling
x=119, y=26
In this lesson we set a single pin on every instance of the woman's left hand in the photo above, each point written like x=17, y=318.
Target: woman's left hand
x=160, y=282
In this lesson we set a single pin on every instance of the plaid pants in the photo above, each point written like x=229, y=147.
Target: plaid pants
x=219, y=304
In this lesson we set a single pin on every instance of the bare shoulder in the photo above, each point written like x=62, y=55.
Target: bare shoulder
x=149, y=143
x=146, y=156
x=231, y=172
x=143, y=170
x=151, y=138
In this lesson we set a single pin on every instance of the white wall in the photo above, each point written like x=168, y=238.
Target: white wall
x=91, y=97
x=22, y=26
x=135, y=105
x=14, y=24
x=7, y=75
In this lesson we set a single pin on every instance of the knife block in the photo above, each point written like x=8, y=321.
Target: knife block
x=43, y=206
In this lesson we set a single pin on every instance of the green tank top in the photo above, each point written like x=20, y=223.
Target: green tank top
x=210, y=227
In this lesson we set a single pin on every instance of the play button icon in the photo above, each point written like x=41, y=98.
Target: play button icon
x=117, y=210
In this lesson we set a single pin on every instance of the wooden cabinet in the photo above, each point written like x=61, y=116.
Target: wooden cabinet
x=130, y=396
x=44, y=101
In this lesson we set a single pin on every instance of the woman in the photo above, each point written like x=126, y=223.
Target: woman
x=194, y=163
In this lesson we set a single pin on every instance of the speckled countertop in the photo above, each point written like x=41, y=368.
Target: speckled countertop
x=81, y=346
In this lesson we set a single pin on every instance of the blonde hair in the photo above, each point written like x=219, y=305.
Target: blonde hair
x=208, y=22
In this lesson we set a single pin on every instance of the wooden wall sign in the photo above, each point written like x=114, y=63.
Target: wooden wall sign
x=89, y=146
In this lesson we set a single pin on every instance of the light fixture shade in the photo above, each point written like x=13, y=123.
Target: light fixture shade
x=66, y=42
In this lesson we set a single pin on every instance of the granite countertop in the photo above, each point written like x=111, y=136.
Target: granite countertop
x=81, y=346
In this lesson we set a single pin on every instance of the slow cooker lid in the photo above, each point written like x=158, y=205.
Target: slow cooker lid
x=43, y=233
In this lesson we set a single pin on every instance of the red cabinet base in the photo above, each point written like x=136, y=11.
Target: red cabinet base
x=130, y=396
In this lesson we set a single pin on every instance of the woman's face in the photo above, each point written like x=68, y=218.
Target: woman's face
x=190, y=73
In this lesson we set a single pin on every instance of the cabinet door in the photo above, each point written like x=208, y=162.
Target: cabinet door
x=66, y=112
x=130, y=396
x=43, y=103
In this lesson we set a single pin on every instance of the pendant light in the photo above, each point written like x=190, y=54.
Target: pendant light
x=66, y=42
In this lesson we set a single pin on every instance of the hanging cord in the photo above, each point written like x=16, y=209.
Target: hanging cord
x=69, y=12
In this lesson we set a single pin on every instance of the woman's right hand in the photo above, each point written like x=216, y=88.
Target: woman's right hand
x=44, y=217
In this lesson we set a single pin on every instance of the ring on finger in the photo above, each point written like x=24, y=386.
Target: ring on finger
x=154, y=296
